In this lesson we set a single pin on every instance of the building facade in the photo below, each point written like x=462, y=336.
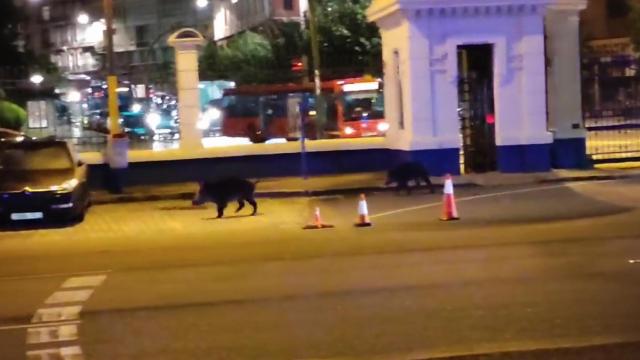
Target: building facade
x=231, y=17
x=448, y=61
x=71, y=32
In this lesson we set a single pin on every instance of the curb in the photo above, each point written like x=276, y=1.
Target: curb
x=283, y=194
x=598, y=351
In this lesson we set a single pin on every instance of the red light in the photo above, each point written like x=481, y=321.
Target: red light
x=491, y=119
x=297, y=65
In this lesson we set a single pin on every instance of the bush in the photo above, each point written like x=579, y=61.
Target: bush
x=12, y=116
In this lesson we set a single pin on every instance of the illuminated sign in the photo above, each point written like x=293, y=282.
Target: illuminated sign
x=365, y=86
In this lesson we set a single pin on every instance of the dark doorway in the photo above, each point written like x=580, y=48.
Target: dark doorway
x=476, y=108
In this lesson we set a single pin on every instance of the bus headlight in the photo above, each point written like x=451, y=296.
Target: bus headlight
x=136, y=108
x=383, y=126
x=153, y=120
x=349, y=130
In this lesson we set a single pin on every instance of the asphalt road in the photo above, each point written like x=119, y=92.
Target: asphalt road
x=548, y=267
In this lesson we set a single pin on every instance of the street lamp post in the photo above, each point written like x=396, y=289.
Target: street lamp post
x=117, y=144
x=315, y=59
x=112, y=79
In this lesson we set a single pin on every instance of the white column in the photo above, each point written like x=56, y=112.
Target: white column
x=188, y=96
x=186, y=43
x=564, y=81
x=534, y=103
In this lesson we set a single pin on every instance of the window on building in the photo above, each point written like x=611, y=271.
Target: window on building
x=142, y=36
x=618, y=8
x=288, y=4
x=46, y=13
x=45, y=41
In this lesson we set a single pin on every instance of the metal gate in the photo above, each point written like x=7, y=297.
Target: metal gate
x=477, y=123
x=613, y=134
x=611, y=102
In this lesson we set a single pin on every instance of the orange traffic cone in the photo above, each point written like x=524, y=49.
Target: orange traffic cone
x=363, y=213
x=317, y=222
x=449, y=210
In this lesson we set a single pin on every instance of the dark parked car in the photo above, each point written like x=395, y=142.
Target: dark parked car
x=41, y=179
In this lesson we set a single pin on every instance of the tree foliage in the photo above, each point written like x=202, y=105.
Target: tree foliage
x=12, y=116
x=348, y=41
x=350, y=46
x=245, y=59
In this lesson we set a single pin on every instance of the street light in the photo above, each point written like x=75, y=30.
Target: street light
x=202, y=3
x=36, y=79
x=83, y=18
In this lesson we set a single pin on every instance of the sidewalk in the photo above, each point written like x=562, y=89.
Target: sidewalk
x=352, y=183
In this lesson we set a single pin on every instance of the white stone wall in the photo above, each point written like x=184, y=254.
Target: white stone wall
x=427, y=40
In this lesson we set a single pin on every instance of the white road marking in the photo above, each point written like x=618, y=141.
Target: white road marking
x=69, y=296
x=63, y=353
x=47, y=326
x=47, y=334
x=42, y=276
x=29, y=326
x=63, y=313
x=84, y=281
x=484, y=196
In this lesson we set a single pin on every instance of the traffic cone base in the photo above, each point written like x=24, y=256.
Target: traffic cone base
x=362, y=225
x=317, y=223
x=317, y=227
x=363, y=222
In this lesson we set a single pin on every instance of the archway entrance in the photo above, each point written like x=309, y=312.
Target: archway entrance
x=476, y=108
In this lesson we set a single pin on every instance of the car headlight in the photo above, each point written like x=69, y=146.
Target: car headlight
x=349, y=130
x=213, y=114
x=66, y=186
x=209, y=116
x=383, y=126
x=136, y=108
x=202, y=124
x=153, y=120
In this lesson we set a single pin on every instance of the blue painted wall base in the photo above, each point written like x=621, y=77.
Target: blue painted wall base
x=569, y=154
x=524, y=158
x=438, y=162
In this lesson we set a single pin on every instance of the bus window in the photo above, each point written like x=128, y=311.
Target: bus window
x=364, y=105
x=241, y=106
x=275, y=120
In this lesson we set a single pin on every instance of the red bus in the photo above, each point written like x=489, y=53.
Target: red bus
x=354, y=108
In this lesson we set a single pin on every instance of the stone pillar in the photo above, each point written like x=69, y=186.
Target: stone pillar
x=564, y=84
x=186, y=43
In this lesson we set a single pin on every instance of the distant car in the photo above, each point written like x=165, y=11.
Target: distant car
x=41, y=180
x=148, y=120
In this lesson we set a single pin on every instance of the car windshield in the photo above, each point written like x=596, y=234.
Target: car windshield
x=363, y=105
x=21, y=157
